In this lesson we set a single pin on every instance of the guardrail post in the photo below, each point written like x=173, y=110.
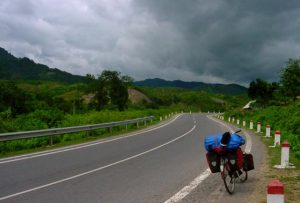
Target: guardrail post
x=275, y=192
x=51, y=140
x=137, y=124
x=145, y=122
x=110, y=129
x=126, y=126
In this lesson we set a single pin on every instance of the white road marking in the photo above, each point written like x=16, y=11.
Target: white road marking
x=39, y=154
x=95, y=170
x=188, y=189
x=198, y=180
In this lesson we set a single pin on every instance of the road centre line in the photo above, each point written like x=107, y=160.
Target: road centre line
x=95, y=170
x=80, y=146
x=198, y=180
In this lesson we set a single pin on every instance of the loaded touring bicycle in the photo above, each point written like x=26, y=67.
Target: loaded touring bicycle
x=225, y=156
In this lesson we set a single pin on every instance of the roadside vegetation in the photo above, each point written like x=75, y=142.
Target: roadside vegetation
x=34, y=105
x=278, y=105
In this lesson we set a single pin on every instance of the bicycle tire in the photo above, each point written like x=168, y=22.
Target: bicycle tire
x=229, y=180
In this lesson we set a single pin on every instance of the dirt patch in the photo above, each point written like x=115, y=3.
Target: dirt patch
x=136, y=96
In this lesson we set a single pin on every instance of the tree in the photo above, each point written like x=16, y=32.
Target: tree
x=97, y=87
x=290, y=79
x=13, y=98
x=261, y=91
x=110, y=87
x=116, y=86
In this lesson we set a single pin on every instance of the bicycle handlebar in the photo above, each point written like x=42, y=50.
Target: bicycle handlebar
x=237, y=131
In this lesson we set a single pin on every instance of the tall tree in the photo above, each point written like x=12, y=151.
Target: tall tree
x=116, y=86
x=290, y=79
x=261, y=91
x=110, y=87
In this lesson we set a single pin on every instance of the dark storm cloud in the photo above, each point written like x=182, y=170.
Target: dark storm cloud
x=234, y=40
x=210, y=41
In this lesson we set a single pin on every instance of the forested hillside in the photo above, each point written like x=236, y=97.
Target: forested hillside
x=12, y=68
x=230, y=89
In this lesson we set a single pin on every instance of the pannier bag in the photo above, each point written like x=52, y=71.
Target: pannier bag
x=232, y=160
x=248, y=162
x=213, y=141
x=213, y=160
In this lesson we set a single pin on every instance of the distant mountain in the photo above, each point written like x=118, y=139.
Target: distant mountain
x=230, y=89
x=12, y=68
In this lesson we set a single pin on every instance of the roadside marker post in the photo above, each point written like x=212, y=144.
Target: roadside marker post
x=285, y=153
x=275, y=192
x=238, y=121
x=244, y=123
x=277, y=138
x=268, y=131
x=229, y=119
x=233, y=119
x=258, y=127
x=251, y=125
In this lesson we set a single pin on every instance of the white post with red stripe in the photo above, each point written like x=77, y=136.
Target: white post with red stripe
x=258, y=127
x=268, y=131
x=285, y=153
x=251, y=125
x=277, y=138
x=275, y=192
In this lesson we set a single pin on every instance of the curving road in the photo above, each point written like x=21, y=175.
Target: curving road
x=151, y=165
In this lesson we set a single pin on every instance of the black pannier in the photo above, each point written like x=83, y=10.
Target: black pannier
x=248, y=162
x=213, y=160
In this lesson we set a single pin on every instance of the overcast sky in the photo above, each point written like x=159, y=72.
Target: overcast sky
x=214, y=41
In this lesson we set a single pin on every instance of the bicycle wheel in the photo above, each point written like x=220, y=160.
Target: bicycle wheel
x=228, y=179
x=243, y=176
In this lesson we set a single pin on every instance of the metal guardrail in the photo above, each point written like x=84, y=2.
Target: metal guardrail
x=58, y=131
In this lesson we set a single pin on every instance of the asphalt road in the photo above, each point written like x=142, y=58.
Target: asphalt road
x=150, y=166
